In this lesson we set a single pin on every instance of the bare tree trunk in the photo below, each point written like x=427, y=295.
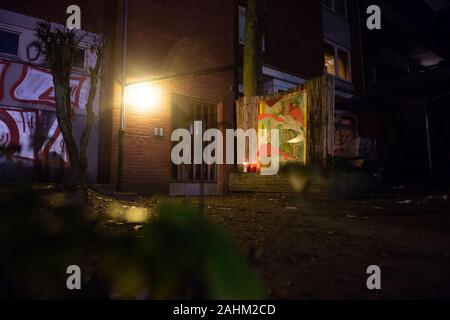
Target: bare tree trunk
x=64, y=117
x=60, y=46
x=253, y=48
x=84, y=142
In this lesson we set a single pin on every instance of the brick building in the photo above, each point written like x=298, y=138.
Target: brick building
x=192, y=51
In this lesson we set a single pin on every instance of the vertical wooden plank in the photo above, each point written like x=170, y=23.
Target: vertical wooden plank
x=317, y=131
x=331, y=102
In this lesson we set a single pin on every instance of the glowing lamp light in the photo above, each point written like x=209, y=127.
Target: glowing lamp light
x=143, y=96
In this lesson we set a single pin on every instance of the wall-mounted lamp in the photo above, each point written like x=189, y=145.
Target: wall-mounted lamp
x=143, y=96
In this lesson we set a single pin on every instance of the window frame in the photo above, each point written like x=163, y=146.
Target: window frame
x=84, y=48
x=333, y=8
x=243, y=9
x=334, y=57
x=338, y=47
x=183, y=171
x=17, y=31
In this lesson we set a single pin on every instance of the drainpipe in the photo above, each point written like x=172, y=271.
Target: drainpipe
x=122, y=102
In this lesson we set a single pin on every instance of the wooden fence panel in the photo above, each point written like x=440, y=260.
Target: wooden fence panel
x=247, y=111
x=320, y=118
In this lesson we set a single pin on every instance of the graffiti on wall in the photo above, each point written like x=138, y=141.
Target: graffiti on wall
x=35, y=85
x=288, y=114
x=27, y=117
x=34, y=132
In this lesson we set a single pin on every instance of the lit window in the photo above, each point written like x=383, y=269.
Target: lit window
x=329, y=59
x=337, y=6
x=9, y=42
x=337, y=62
x=343, y=65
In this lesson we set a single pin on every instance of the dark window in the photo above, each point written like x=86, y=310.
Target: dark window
x=9, y=42
x=328, y=3
x=242, y=15
x=242, y=19
x=339, y=7
x=78, y=61
x=185, y=112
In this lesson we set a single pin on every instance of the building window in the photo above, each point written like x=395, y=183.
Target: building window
x=185, y=112
x=9, y=42
x=343, y=65
x=330, y=62
x=242, y=16
x=340, y=7
x=337, y=61
x=328, y=4
x=78, y=61
x=337, y=6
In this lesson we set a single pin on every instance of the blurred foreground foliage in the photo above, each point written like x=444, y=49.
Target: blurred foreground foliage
x=177, y=254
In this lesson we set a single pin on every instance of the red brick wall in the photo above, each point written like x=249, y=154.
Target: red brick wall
x=166, y=38
x=147, y=161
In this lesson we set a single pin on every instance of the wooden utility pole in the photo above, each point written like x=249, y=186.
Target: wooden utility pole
x=253, y=47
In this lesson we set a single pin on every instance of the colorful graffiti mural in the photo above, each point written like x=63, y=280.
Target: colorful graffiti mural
x=27, y=117
x=288, y=114
x=28, y=123
x=35, y=85
x=34, y=132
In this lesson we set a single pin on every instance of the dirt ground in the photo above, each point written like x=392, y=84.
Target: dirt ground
x=306, y=249
x=320, y=249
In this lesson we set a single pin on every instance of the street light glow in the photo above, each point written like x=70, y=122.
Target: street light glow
x=143, y=96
